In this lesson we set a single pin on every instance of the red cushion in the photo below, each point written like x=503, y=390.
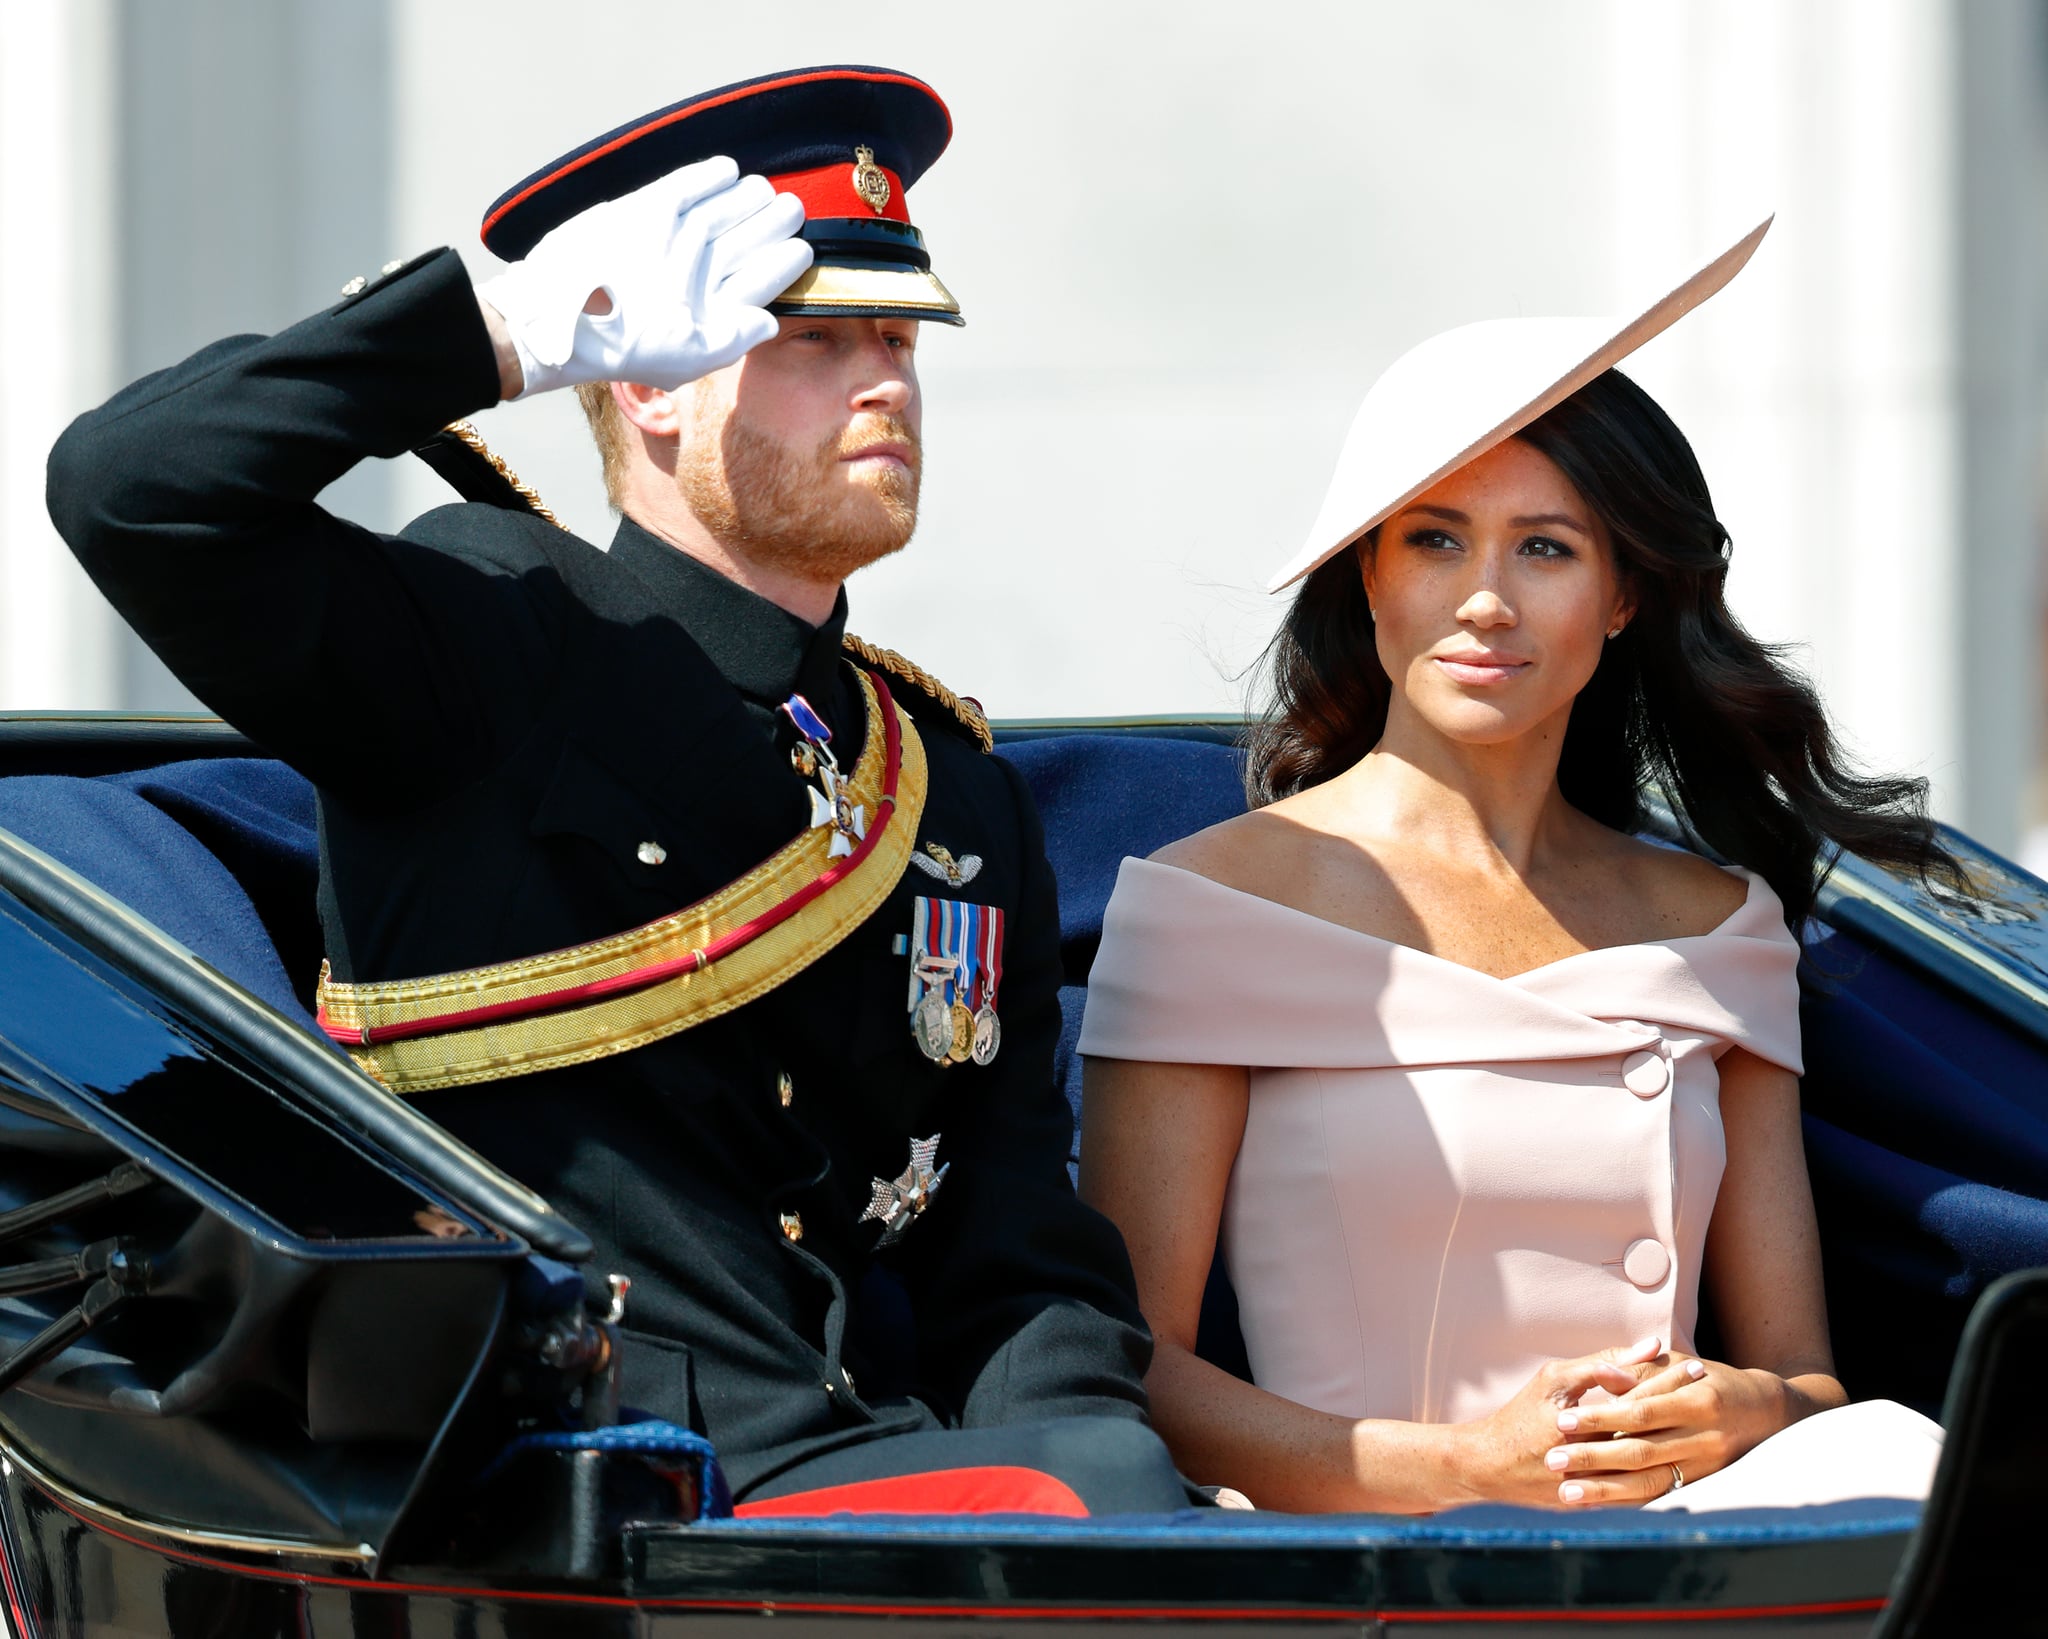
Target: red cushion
x=943, y=1491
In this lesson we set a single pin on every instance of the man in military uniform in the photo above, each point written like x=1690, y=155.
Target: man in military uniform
x=617, y=846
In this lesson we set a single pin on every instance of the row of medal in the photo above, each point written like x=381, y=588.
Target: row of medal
x=956, y=968
x=956, y=949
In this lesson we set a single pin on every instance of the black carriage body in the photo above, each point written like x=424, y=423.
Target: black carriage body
x=285, y=1435
x=1508, y=1575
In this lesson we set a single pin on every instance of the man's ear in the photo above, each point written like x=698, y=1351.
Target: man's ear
x=657, y=413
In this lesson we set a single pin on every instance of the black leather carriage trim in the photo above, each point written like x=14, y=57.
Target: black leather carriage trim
x=1974, y=1565
x=86, y=744
x=280, y=1048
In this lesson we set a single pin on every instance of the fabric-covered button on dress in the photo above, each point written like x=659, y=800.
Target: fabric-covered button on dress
x=1644, y=1074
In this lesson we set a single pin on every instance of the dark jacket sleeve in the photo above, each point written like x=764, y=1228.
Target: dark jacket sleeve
x=1027, y=1306
x=371, y=663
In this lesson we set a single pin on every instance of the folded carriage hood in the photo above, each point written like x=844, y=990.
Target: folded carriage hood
x=328, y=1271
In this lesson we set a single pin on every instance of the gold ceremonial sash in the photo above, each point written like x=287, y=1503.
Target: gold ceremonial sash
x=615, y=994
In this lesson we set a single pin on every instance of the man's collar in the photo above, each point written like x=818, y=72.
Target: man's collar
x=762, y=649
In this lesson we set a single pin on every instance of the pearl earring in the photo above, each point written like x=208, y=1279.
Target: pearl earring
x=1614, y=634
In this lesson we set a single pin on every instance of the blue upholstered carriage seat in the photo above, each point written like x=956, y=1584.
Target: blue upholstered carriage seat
x=222, y=854
x=1927, y=1118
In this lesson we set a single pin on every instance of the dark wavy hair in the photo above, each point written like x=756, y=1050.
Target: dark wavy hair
x=1684, y=699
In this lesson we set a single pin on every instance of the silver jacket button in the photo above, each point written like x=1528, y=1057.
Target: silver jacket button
x=651, y=853
x=355, y=286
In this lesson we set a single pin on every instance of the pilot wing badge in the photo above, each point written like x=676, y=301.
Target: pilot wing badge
x=937, y=861
x=900, y=1201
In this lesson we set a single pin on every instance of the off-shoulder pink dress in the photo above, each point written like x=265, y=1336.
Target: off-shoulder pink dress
x=1447, y=1178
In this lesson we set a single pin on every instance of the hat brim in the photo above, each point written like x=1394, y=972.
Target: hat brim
x=1454, y=397
x=834, y=290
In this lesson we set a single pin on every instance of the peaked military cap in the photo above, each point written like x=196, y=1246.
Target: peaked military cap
x=846, y=140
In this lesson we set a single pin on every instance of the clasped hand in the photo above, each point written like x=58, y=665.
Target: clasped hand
x=661, y=286
x=1665, y=1410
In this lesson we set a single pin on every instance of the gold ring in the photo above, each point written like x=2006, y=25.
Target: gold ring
x=1677, y=1478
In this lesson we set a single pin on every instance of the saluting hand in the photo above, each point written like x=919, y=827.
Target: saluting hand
x=661, y=286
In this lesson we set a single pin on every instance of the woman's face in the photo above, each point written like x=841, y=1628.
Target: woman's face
x=1493, y=594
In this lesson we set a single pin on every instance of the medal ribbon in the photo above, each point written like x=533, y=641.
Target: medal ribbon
x=810, y=725
x=919, y=914
x=990, y=965
x=967, y=920
x=957, y=949
x=935, y=950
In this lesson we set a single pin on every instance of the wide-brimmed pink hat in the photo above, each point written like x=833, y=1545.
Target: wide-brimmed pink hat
x=1455, y=396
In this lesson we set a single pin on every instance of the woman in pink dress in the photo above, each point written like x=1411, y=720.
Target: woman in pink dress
x=1476, y=1086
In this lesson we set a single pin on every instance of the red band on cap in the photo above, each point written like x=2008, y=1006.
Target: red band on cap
x=736, y=94
x=828, y=192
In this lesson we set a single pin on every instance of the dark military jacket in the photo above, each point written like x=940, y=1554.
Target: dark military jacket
x=497, y=716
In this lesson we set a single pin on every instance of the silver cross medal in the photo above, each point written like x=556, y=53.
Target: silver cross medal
x=830, y=804
x=898, y=1202
x=833, y=807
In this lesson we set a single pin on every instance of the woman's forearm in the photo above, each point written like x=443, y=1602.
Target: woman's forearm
x=1807, y=1392
x=1225, y=1431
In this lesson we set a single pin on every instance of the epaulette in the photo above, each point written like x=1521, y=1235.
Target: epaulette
x=460, y=455
x=963, y=712
x=477, y=473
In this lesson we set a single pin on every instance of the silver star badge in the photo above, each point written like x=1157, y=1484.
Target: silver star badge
x=898, y=1202
x=938, y=861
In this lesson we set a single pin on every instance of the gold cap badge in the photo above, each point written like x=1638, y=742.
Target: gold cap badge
x=870, y=181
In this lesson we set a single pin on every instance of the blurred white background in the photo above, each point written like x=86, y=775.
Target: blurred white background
x=1186, y=238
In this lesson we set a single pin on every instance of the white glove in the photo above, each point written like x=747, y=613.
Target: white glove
x=689, y=263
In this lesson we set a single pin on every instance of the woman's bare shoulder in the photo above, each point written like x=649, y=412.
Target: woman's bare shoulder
x=1683, y=894
x=1217, y=851
x=1238, y=852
